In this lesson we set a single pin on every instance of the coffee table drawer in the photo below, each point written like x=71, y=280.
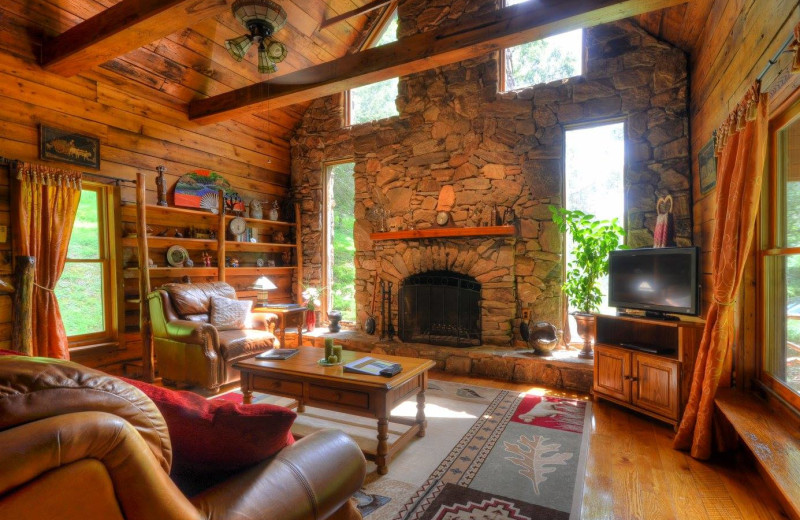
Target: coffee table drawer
x=278, y=386
x=342, y=397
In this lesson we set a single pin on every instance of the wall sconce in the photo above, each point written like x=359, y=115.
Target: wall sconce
x=263, y=285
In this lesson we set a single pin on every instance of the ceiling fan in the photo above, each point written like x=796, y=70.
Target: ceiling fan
x=261, y=18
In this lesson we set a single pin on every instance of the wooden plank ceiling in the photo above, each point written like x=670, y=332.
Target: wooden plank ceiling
x=193, y=63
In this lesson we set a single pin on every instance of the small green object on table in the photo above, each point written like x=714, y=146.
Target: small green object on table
x=337, y=351
x=328, y=347
x=333, y=359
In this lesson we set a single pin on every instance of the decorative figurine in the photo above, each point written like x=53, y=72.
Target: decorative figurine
x=235, y=261
x=270, y=263
x=286, y=257
x=255, y=209
x=178, y=234
x=206, y=258
x=188, y=262
x=278, y=237
x=161, y=185
x=273, y=213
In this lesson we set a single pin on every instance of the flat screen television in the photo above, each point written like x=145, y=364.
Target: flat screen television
x=658, y=281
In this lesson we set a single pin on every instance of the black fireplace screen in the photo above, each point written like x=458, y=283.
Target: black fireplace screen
x=440, y=308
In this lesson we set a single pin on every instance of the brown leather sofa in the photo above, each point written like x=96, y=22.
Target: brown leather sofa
x=77, y=444
x=189, y=350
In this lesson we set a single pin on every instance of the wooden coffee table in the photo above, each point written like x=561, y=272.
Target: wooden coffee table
x=303, y=379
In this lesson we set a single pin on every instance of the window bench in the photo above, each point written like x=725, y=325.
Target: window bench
x=773, y=440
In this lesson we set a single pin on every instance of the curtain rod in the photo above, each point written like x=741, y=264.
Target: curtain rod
x=774, y=59
x=6, y=160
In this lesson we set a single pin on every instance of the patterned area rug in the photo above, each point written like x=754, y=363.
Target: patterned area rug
x=488, y=454
x=520, y=460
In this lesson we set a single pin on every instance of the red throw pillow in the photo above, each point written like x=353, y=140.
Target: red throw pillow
x=4, y=352
x=217, y=435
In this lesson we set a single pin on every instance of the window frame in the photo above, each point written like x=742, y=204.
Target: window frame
x=767, y=237
x=369, y=42
x=327, y=224
x=106, y=195
x=501, y=65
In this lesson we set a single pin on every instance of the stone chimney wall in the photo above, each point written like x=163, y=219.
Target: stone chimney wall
x=497, y=149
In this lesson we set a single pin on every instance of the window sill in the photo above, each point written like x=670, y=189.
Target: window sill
x=93, y=349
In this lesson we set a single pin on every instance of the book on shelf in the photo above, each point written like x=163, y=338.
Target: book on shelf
x=278, y=353
x=373, y=367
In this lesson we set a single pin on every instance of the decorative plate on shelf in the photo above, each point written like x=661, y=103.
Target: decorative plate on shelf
x=324, y=363
x=177, y=255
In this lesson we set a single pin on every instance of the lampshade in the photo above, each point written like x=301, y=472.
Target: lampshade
x=265, y=65
x=238, y=47
x=276, y=51
x=262, y=286
x=248, y=11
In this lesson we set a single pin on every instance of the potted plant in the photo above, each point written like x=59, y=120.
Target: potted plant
x=592, y=241
x=313, y=299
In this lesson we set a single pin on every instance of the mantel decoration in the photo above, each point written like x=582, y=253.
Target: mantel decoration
x=200, y=190
x=593, y=241
x=261, y=18
x=69, y=147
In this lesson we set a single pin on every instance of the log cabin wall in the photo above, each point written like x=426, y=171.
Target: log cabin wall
x=454, y=128
x=139, y=129
x=738, y=39
x=5, y=259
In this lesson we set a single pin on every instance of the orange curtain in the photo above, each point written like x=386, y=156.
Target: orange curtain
x=741, y=150
x=45, y=203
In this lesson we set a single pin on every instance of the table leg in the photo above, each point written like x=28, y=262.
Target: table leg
x=301, y=406
x=421, y=414
x=283, y=332
x=300, y=334
x=383, y=446
x=247, y=396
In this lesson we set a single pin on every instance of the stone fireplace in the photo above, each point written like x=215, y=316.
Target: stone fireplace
x=440, y=308
x=500, y=150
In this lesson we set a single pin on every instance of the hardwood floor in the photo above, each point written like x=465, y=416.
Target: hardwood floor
x=632, y=472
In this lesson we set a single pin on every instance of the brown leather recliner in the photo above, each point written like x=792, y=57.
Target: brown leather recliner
x=77, y=444
x=191, y=351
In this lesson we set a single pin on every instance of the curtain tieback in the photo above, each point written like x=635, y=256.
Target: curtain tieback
x=724, y=304
x=42, y=287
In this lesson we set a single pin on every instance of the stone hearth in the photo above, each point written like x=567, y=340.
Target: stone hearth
x=563, y=370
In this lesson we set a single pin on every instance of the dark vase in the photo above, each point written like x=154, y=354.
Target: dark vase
x=585, y=326
x=334, y=318
x=311, y=320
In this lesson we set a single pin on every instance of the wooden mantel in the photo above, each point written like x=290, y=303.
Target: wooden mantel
x=446, y=232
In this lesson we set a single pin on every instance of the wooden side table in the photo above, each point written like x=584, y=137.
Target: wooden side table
x=289, y=317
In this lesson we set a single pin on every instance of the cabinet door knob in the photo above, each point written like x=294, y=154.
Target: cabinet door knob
x=626, y=378
x=633, y=378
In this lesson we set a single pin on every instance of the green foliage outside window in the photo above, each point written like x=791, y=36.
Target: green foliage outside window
x=376, y=101
x=80, y=289
x=542, y=61
x=342, y=246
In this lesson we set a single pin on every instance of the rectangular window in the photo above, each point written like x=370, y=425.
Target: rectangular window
x=541, y=61
x=780, y=251
x=594, y=166
x=340, y=259
x=84, y=291
x=375, y=101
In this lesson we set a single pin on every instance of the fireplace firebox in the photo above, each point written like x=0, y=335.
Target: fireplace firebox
x=440, y=308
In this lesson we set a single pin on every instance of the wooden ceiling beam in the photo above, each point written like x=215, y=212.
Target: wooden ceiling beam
x=376, y=4
x=506, y=27
x=126, y=26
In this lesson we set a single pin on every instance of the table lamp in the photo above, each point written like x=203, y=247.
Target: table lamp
x=263, y=285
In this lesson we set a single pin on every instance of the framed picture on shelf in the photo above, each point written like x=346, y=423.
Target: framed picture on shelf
x=70, y=147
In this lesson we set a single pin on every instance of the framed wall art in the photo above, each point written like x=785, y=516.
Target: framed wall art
x=70, y=147
x=707, y=166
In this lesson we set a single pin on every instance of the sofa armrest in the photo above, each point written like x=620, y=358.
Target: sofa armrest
x=142, y=488
x=296, y=484
x=186, y=331
x=264, y=321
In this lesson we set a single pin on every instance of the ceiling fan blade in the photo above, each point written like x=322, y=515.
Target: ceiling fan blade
x=238, y=47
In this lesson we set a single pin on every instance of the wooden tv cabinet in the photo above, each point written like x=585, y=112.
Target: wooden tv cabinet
x=650, y=383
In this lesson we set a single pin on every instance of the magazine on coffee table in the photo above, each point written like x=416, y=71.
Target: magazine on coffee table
x=278, y=353
x=373, y=367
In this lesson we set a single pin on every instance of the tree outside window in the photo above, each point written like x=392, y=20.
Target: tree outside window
x=376, y=101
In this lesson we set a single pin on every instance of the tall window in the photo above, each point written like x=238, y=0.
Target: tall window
x=376, y=101
x=341, y=249
x=594, y=172
x=541, y=61
x=84, y=291
x=780, y=249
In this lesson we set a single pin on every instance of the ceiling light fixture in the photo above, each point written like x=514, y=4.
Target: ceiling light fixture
x=262, y=18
